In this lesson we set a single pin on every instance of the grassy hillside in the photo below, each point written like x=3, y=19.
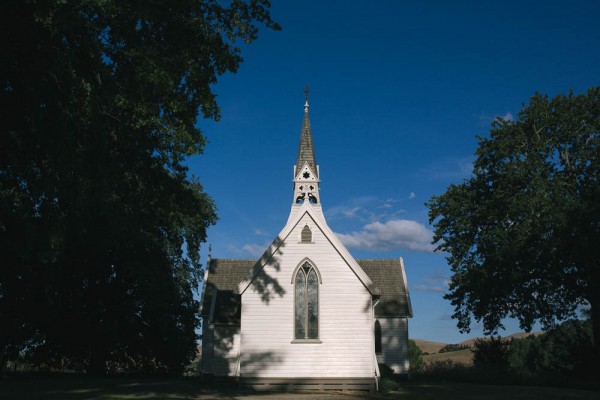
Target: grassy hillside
x=429, y=347
x=461, y=356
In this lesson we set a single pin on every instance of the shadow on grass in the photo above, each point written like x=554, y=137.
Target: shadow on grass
x=449, y=380
x=117, y=388
x=79, y=388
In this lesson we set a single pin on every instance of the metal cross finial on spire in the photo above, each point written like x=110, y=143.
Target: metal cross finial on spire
x=306, y=92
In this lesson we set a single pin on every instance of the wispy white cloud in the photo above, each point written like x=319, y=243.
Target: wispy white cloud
x=255, y=250
x=352, y=208
x=508, y=117
x=260, y=232
x=391, y=235
x=437, y=283
x=387, y=203
x=412, y=195
x=350, y=212
x=366, y=209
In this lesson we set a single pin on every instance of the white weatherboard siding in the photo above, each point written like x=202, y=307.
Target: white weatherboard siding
x=345, y=316
x=394, y=343
x=207, y=348
x=226, y=346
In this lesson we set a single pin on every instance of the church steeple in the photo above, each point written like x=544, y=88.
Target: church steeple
x=306, y=150
x=306, y=170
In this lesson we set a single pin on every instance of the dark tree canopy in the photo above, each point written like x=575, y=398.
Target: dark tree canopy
x=100, y=224
x=523, y=233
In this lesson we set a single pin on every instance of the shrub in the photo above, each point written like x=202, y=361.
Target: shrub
x=446, y=370
x=389, y=380
x=415, y=357
x=492, y=351
x=453, y=347
x=387, y=385
x=386, y=371
x=563, y=352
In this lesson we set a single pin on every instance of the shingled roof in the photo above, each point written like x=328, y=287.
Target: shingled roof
x=388, y=275
x=306, y=150
x=225, y=275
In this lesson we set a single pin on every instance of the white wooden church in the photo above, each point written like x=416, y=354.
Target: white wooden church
x=306, y=314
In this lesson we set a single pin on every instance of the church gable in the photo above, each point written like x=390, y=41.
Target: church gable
x=305, y=330
x=306, y=173
x=323, y=240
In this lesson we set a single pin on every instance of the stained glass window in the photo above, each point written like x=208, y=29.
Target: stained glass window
x=307, y=303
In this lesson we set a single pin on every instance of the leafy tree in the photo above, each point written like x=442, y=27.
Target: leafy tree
x=493, y=351
x=571, y=347
x=415, y=357
x=522, y=233
x=453, y=347
x=565, y=351
x=100, y=224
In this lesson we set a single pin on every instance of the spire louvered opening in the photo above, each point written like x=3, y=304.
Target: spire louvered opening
x=306, y=235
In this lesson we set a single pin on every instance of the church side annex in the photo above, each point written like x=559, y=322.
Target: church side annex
x=306, y=314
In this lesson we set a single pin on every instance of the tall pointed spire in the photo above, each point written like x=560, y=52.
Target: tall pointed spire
x=306, y=170
x=306, y=151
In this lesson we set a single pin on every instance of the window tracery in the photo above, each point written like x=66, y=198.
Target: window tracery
x=306, y=304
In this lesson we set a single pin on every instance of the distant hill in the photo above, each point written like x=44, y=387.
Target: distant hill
x=429, y=347
x=460, y=356
x=517, y=335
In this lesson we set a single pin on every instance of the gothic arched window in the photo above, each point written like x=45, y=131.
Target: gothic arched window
x=306, y=313
x=378, y=347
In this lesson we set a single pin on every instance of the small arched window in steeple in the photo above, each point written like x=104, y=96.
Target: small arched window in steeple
x=306, y=235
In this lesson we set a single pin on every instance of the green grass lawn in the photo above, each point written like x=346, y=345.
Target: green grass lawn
x=472, y=391
x=79, y=388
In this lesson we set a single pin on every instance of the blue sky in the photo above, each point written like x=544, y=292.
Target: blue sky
x=399, y=91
